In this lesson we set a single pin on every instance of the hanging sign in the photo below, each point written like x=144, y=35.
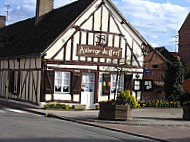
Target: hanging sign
x=99, y=51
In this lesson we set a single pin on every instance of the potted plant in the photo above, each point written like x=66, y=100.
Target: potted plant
x=185, y=103
x=119, y=109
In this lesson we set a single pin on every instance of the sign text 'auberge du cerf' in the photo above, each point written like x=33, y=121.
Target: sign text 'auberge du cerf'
x=99, y=51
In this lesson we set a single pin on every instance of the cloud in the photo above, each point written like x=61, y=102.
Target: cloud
x=23, y=9
x=21, y=12
x=154, y=20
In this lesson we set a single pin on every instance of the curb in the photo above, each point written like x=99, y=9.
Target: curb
x=145, y=124
x=98, y=126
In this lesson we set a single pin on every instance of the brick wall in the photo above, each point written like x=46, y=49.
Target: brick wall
x=186, y=84
x=157, y=65
x=184, y=41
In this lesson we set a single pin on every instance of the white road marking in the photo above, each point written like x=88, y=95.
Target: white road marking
x=15, y=110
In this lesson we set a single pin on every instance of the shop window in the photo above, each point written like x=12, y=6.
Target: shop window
x=148, y=85
x=62, y=82
x=114, y=81
x=137, y=85
x=106, y=83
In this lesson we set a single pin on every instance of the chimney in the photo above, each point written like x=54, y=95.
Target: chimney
x=2, y=21
x=42, y=8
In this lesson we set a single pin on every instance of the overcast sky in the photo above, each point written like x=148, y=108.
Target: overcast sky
x=158, y=21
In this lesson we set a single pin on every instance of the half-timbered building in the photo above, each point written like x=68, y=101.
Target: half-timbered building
x=70, y=54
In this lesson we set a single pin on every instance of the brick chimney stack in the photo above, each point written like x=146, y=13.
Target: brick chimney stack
x=42, y=8
x=2, y=21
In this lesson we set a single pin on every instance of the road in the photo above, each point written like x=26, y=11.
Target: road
x=20, y=126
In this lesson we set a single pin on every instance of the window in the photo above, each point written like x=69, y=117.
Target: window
x=62, y=82
x=14, y=82
x=155, y=66
x=87, y=83
x=113, y=83
x=137, y=85
x=15, y=89
x=148, y=85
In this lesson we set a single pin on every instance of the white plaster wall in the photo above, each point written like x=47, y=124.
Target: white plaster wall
x=74, y=66
x=48, y=97
x=65, y=97
x=76, y=97
x=32, y=75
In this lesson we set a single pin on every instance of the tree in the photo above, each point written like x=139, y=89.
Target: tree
x=174, y=80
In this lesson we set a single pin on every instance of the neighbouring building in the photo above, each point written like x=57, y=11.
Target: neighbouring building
x=184, y=41
x=184, y=49
x=154, y=74
x=70, y=54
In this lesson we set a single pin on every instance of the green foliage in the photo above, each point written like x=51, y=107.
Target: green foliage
x=158, y=104
x=174, y=81
x=56, y=106
x=185, y=98
x=125, y=97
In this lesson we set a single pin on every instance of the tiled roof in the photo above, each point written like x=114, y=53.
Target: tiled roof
x=26, y=38
x=166, y=54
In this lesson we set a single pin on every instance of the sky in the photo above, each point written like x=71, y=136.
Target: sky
x=158, y=21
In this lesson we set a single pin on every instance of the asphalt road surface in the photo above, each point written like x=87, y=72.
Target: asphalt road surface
x=20, y=126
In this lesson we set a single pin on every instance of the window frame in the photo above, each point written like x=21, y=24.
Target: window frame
x=15, y=82
x=112, y=87
x=63, y=80
x=140, y=85
x=149, y=80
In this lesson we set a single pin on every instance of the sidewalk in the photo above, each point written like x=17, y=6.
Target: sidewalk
x=161, y=124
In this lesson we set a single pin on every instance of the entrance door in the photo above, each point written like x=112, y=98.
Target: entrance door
x=87, y=90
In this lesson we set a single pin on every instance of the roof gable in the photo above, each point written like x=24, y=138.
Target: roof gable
x=166, y=54
x=35, y=39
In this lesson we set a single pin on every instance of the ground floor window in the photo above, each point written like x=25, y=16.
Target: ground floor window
x=13, y=82
x=15, y=74
x=148, y=85
x=137, y=85
x=114, y=81
x=62, y=82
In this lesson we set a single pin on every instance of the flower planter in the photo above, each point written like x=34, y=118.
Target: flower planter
x=110, y=111
x=186, y=112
